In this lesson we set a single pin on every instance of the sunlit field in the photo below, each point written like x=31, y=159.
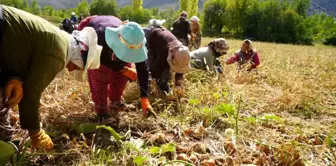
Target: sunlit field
x=282, y=114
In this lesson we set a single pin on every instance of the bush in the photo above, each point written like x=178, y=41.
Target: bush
x=142, y=16
x=330, y=41
x=170, y=15
x=53, y=19
x=214, y=16
x=126, y=12
x=103, y=7
x=139, y=16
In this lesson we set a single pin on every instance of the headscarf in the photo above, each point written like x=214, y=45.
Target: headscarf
x=84, y=52
x=154, y=22
x=178, y=57
x=250, y=44
x=219, y=46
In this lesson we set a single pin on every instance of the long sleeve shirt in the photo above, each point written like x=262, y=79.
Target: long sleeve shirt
x=73, y=19
x=35, y=51
x=99, y=23
x=243, y=58
x=181, y=28
x=206, y=56
x=195, y=29
x=158, y=41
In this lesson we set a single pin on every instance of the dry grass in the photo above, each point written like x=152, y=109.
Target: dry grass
x=287, y=110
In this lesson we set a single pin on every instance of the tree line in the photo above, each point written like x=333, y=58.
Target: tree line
x=283, y=21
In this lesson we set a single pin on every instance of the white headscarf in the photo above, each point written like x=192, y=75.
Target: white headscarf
x=195, y=18
x=250, y=45
x=84, y=40
x=155, y=22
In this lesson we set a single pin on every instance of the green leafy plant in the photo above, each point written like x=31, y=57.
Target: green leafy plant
x=269, y=118
x=225, y=109
x=84, y=128
x=251, y=119
x=7, y=152
x=116, y=135
x=163, y=149
x=19, y=158
x=216, y=95
x=139, y=160
x=265, y=118
x=154, y=150
x=194, y=102
x=168, y=148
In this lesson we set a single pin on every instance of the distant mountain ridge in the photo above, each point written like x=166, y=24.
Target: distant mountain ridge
x=327, y=6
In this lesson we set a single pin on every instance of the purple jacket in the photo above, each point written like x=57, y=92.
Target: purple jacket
x=99, y=23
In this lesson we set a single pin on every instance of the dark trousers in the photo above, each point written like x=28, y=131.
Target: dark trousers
x=163, y=81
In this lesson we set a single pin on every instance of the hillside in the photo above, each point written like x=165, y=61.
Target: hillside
x=328, y=6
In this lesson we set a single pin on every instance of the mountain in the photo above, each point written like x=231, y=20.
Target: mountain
x=327, y=6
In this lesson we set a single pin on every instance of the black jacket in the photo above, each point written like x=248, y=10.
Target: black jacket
x=181, y=28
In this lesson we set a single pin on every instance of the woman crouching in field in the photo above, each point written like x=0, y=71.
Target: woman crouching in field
x=33, y=52
x=247, y=58
x=165, y=54
x=207, y=58
x=122, y=45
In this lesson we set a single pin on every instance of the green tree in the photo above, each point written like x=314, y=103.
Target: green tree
x=14, y=3
x=214, y=12
x=169, y=15
x=34, y=7
x=155, y=11
x=103, y=7
x=252, y=22
x=25, y=5
x=269, y=22
x=288, y=27
x=126, y=12
x=142, y=16
x=302, y=6
x=83, y=7
x=137, y=5
x=193, y=7
x=184, y=5
x=60, y=13
x=321, y=27
x=48, y=11
x=237, y=11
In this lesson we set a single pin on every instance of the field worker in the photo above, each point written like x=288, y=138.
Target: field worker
x=67, y=26
x=247, y=58
x=195, y=41
x=181, y=28
x=33, y=52
x=165, y=54
x=73, y=18
x=122, y=45
x=207, y=58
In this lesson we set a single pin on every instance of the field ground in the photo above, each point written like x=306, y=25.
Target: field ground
x=286, y=116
